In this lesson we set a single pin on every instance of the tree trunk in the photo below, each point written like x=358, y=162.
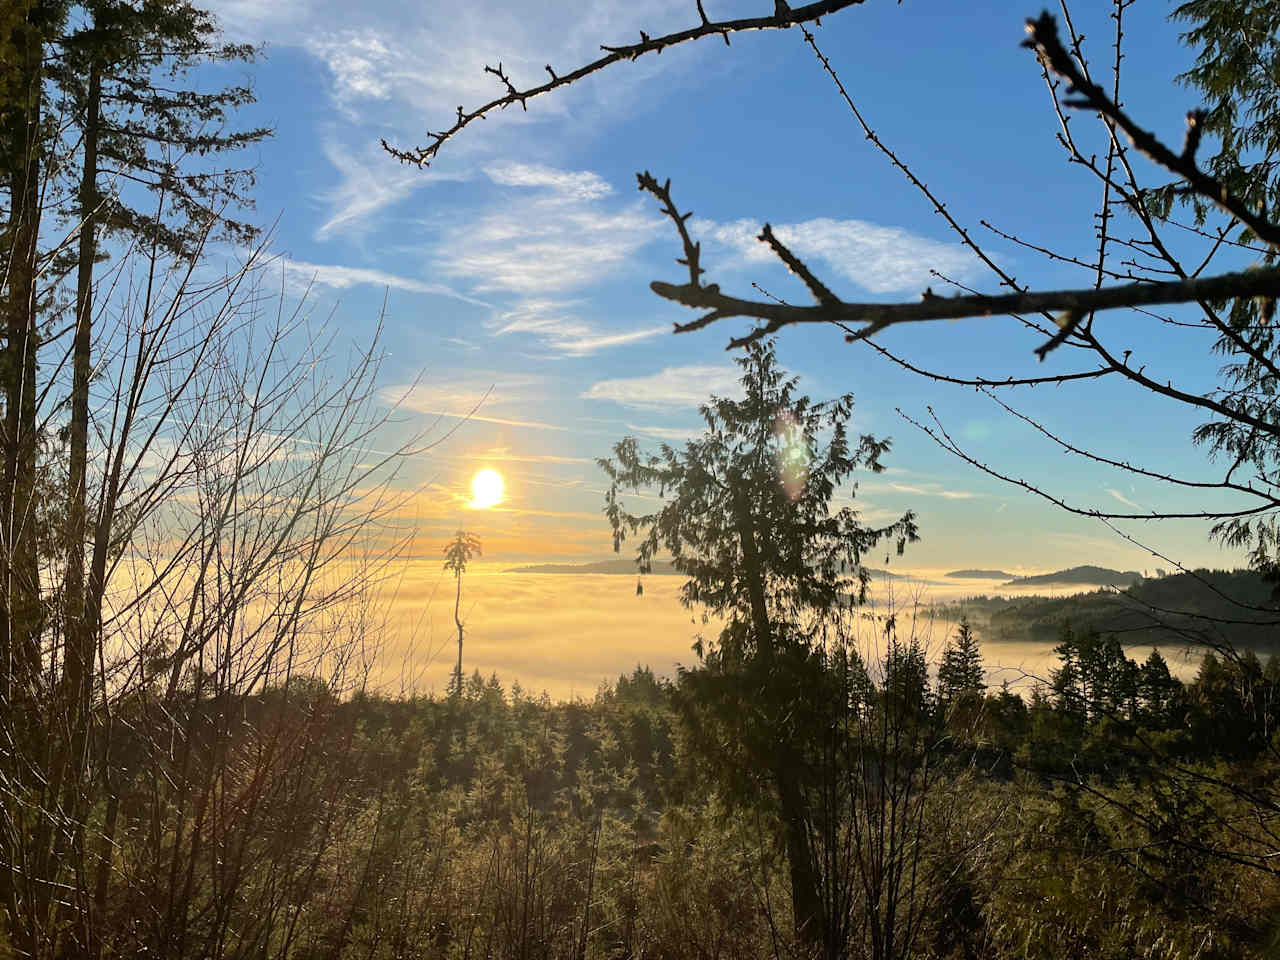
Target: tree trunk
x=21, y=673
x=806, y=904
x=457, y=674
x=80, y=633
x=79, y=658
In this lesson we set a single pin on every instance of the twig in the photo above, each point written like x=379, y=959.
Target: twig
x=782, y=18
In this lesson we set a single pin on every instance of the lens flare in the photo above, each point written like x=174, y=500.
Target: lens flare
x=794, y=455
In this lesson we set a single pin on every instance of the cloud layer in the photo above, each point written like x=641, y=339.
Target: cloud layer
x=300, y=274
x=673, y=388
x=543, y=243
x=877, y=258
x=579, y=184
x=559, y=327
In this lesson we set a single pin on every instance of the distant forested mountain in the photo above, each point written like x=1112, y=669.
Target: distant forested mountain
x=1220, y=605
x=1094, y=576
x=625, y=566
x=980, y=575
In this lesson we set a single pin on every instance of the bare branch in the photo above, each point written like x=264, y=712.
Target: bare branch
x=1247, y=283
x=1073, y=308
x=942, y=438
x=782, y=18
x=1043, y=38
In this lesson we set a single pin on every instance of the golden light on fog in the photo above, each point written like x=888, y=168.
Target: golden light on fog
x=486, y=489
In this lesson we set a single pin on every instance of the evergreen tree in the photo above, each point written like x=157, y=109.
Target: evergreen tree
x=906, y=679
x=746, y=515
x=120, y=75
x=112, y=72
x=1066, y=682
x=960, y=670
x=1156, y=689
x=1235, y=71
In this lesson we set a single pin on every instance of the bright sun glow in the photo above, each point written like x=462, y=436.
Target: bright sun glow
x=486, y=489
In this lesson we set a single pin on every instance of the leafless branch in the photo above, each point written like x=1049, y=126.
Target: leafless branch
x=1043, y=38
x=782, y=18
x=1070, y=310
x=938, y=433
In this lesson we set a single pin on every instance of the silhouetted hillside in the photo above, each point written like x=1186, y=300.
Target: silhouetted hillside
x=1232, y=606
x=626, y=566
x=980, y=575
x=1094, y=576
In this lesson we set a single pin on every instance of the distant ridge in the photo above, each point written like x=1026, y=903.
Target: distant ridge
x=626, y=566
x=1093, y=576
x=980, y=575
x=619, y=566
x=1222, y=606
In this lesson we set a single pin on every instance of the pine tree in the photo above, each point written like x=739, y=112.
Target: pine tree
x=961, y=669
x=1156, y=689
x=1067, y=682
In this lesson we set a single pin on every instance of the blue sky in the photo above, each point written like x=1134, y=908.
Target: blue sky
x=516, y=269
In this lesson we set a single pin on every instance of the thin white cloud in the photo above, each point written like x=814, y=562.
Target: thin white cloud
x=369, y=183
x=932, y=490
x=497, y=401
x=359, y=61
x=461, y=396
x=506, y=456
x=669, y=389
x=672, y=434
x=563, y=331
x=582, y=184
x=544, y=244
x=877, y=258
x=480, y=418
x=416, y=62
x=1123, y=499
x=299, y=274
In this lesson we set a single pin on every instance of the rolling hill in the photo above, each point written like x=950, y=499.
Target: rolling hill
x=1086, y=575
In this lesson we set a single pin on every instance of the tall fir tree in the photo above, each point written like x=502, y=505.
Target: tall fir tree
x=960, y=670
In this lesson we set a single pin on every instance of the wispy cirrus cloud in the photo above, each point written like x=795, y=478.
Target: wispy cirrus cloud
x=671, y=434
x=369, y=183
x=1116, y=494
x=506, y=456
x=877, y=258
x=299, y=274
x=581, y=184
x=405, y=66
x=932, y=490
x=360, y=61
x=500, y=400
x=544, y=244
x=672, y=388
x=557, y=325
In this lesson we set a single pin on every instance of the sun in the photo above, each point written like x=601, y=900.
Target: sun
x=486, y=489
